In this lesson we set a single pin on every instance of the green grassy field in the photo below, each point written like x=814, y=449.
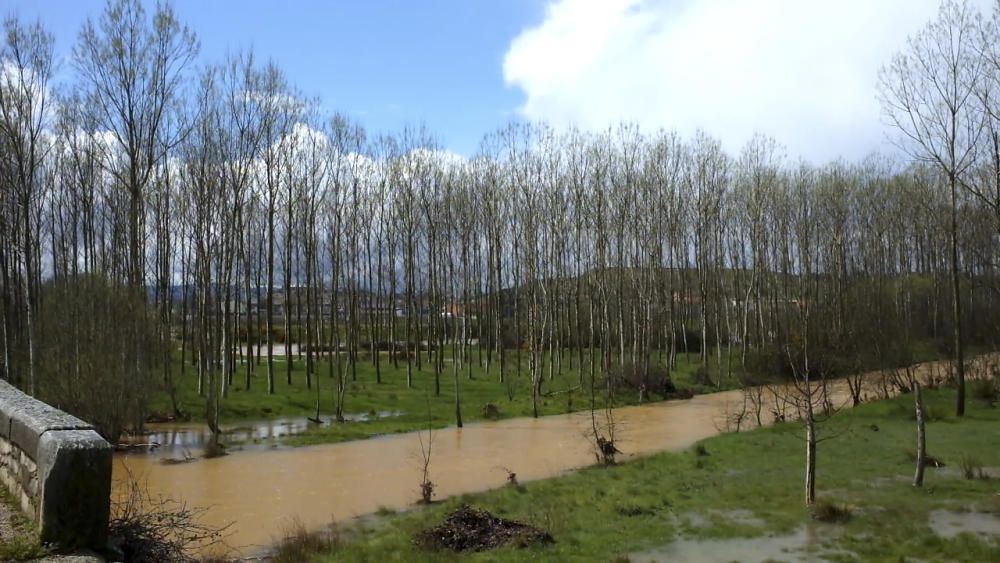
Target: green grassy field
x=748, y=485
x=364, y=395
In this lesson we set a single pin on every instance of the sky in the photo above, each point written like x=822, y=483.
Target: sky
x=801, y=71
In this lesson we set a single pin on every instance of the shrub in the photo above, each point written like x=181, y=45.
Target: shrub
x=299, y=544
x=22, y=548
x=691, y=338
x=702, y=377
x=491, y=412
x=971, y=468
x=154, y=530
x=825, y=510
x=97, y=347
x=986, y=390
x=426, y=491
x=656, y=379
x=768, y=362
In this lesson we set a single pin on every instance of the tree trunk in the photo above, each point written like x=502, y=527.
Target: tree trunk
x=957, y=302
x=918, y=477
x=810, y=459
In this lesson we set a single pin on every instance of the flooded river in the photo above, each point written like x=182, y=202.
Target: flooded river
x=262, y=490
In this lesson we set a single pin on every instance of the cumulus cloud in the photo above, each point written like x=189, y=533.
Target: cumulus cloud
x=802, y=71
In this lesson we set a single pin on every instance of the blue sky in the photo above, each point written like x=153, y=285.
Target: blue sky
x=385, y=63
x=801, y=71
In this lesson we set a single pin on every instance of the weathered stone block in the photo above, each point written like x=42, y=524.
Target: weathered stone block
x=35, y=419
x=57, y=468
x=74, y=469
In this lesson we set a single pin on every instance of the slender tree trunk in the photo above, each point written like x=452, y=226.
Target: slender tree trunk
x=918, y=476
x=957, y=302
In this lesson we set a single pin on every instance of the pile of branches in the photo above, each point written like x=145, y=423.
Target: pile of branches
x=471, y=529
x=148, y=529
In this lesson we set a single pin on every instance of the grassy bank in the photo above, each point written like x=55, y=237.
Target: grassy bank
x=742, y=485
x=18, y=535
x=512, y=398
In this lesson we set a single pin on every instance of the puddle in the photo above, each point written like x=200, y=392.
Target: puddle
x=956, y=472
x=739, y=516
x=948, y=524
x=179, y=439
x=695, y=520
x=807, y=543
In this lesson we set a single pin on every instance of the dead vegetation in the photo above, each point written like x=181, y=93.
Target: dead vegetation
x=426, y=485
x=825, y=510
x=471, y=529
x=299, y=544
x=971, y=468
x=152, y=530
x=491, y=411
x=643, y=380
x=511, y=477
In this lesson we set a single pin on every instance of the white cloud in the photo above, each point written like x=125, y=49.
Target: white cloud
x=802, y=71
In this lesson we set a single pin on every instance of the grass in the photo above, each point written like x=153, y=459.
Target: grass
x=298, y=543
x=604, y=513
x=971, y=468
x=24, y=544
x=563, y=393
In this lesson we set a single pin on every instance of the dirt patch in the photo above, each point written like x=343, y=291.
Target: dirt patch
x=471, y=529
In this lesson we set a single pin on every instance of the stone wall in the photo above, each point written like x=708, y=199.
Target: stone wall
x=57, y=468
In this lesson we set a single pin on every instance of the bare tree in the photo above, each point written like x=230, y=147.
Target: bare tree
x=27, y=66
x=134, y=67
x=928, y=93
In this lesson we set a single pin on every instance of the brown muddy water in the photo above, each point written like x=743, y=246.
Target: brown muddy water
x=262, y=491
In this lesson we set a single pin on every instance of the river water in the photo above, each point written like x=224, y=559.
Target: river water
x=262, y=490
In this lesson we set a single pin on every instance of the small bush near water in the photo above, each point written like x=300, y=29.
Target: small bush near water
x=825, y=510
x=491, y=411
x=299, y=544
x=971, y=468
x=149, y=530
x=654, y=379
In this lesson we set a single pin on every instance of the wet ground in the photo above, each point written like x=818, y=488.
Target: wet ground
x=808, y=543
x=949, y=524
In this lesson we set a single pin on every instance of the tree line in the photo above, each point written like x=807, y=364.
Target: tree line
x=159, y=214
